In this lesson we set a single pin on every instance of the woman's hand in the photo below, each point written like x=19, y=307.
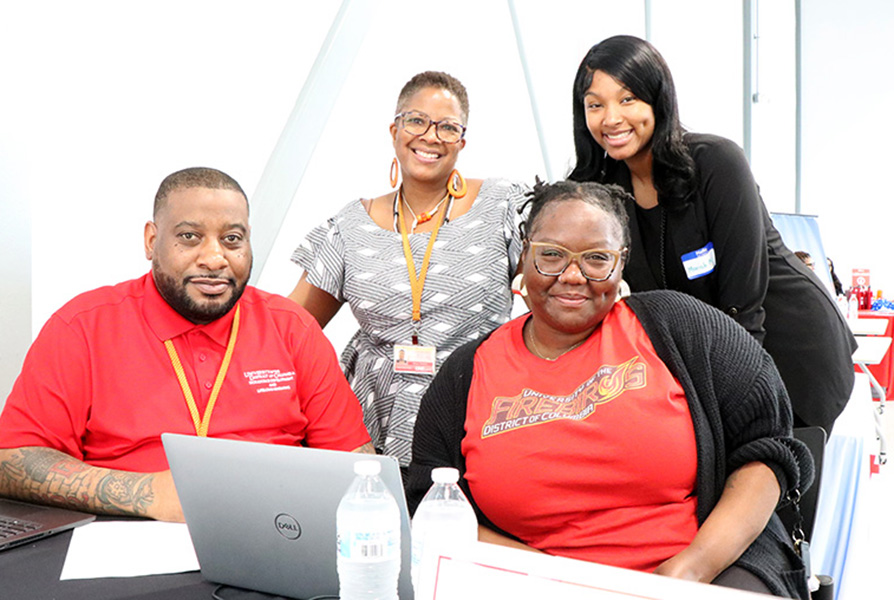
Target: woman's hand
x=744, y=509
x=682, y=566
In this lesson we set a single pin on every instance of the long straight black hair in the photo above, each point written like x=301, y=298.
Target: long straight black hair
x=639, y=67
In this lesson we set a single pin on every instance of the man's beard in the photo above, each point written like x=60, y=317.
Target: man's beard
x=176, y=296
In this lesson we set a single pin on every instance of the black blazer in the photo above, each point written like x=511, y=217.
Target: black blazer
x=755, y=278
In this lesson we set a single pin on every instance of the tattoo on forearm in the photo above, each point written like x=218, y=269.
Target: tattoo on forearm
x=366, y=448
x=10, y=472
x=125, y=491
x=51, y=477
x=37, y=464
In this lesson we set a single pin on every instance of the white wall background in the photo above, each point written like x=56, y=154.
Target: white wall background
x=774, y=103
x=102, y=99
x=847, y=130
x=502, y=138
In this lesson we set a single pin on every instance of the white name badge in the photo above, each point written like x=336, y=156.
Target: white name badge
x=700, y=262
x=414, y=359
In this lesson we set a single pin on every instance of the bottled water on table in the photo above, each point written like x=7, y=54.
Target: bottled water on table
x=368, y=526
x=443, y=520
x=853, y=305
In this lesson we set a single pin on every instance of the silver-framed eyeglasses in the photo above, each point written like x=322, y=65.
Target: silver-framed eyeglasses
x=596, y=264
x=417, y=123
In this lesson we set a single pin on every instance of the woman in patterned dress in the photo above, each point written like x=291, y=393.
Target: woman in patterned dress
x=463, y=240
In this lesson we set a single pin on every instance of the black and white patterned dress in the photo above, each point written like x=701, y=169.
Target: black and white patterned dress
x=466, y=294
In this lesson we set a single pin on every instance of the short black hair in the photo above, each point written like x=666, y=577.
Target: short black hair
x=194, y=177
x=435, y=79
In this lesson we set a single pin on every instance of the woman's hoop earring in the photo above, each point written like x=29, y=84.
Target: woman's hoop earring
x=518, y=285
x=394, y=172
x=623, y=291
x=451, y=185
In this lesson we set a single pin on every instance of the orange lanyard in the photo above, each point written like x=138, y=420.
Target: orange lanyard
x=202, y=424
x=416, y=283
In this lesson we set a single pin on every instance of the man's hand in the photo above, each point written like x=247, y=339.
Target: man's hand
x=166, y=503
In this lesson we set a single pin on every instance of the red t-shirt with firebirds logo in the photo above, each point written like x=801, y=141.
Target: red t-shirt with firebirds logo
x=591, y=456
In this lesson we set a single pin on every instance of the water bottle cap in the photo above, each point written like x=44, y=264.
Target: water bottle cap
x=367, y=467
x=445, y=475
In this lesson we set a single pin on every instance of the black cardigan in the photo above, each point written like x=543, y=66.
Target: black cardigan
x=738, y=404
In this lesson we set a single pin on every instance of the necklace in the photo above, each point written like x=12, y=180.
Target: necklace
x=422, y=217
x=425, y=216
x=539, y=353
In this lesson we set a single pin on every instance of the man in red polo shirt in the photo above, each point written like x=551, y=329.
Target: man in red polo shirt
x=187, y=348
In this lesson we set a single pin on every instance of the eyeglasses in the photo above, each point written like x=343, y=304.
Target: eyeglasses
x=595, y=264
x=417, y=123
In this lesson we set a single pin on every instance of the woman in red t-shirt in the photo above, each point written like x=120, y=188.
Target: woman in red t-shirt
x=650, y=433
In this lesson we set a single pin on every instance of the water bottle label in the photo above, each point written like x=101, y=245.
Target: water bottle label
x=416, y=547
x=369, y=546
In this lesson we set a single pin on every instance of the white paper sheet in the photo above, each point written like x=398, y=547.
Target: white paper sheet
x=482, y=570
x=129, y=549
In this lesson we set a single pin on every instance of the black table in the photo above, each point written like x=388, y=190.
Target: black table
x=31, y=572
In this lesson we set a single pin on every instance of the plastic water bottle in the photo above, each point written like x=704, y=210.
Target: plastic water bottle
x=842, y=304
x=368, y=526
x=443, y=520
x=853, y=305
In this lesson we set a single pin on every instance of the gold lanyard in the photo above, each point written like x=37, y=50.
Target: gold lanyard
x=416, y=283
x=202, y=425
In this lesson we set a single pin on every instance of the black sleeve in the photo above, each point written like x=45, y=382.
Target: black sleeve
x=757, y=427
x=754, y=406
x=736, y=223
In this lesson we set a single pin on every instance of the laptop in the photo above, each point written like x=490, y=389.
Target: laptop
x=23, y=523
x=262, y=516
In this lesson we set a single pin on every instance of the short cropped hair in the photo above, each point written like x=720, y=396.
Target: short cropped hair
x=194, y=177
x=435, y=79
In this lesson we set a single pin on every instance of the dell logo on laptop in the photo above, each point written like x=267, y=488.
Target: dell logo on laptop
x=287, y=526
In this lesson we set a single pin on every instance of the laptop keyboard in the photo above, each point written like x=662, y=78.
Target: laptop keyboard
x=10, y=527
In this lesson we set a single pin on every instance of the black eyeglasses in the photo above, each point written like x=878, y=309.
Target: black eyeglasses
x=595, y=264
x=417, y=123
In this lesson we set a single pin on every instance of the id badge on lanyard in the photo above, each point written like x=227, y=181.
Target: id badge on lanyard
x=414, y=358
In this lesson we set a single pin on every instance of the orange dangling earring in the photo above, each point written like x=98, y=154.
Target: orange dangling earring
x=395, y=171
x=451, y=185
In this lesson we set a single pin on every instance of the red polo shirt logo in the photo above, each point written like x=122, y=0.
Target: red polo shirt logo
x=269, y=380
